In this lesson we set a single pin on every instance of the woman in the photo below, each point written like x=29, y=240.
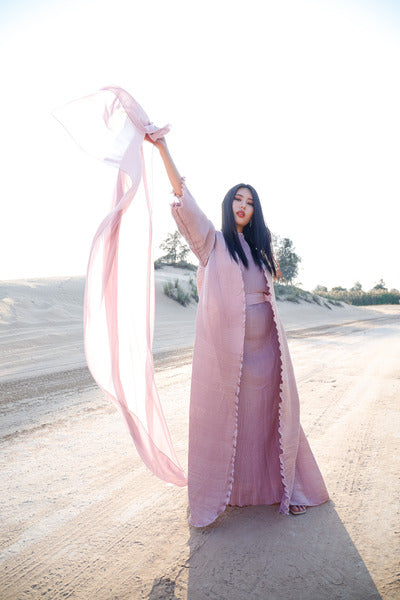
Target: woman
x=246, y=445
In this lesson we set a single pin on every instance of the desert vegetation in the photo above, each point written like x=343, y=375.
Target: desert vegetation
x=182, y=292
x=379, y=294
x=176, y=252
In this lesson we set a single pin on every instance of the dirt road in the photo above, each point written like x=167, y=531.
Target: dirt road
x=82, y=518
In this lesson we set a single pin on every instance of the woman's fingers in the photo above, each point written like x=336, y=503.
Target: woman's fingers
x=160, y=142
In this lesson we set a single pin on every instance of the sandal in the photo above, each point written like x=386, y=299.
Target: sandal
x=297, y=512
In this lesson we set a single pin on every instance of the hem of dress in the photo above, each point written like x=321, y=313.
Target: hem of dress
x=256, y=504
x=209, y=522
x=308, y=505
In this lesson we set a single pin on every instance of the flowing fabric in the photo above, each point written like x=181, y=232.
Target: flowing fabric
x=119, y=295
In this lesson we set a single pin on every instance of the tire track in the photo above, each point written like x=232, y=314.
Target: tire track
x=100, y=526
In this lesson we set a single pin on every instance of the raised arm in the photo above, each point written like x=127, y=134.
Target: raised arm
x=192, y=223
x=172, y=171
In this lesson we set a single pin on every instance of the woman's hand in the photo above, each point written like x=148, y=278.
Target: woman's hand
x=160, y=143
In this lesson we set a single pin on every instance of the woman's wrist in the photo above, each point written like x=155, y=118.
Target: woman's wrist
x=162, y=146
x=172, y=171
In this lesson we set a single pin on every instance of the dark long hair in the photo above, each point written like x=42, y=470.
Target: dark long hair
x=256, y=233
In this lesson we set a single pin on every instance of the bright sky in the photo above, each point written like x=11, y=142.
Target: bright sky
x=298, y=98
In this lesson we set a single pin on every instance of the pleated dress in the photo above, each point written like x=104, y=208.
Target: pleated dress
x=257, y=478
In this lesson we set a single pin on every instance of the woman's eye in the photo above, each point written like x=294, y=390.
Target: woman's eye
x=248, y=202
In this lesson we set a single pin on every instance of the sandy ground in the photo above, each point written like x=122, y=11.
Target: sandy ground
x=81, y=517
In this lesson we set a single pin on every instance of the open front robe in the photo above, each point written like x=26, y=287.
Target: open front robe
x=216, y=373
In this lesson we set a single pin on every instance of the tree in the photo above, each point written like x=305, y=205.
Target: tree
x=338, y=288
x=175, y=249
x=287, y=258
x=380, y=286
x=357, y=287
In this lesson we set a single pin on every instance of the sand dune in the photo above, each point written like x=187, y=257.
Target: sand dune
x=41, y=322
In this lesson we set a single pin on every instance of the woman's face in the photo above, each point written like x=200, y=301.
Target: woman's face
x=243, y=208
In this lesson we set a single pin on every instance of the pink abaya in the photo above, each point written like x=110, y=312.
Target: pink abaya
x=246, y=444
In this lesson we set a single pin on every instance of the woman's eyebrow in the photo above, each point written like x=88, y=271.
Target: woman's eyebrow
x=241, y=196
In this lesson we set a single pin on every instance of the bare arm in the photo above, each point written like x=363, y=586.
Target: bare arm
x=172, y=171
x=192, y=223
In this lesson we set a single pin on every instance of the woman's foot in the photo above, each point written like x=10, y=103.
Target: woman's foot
x=297, y=509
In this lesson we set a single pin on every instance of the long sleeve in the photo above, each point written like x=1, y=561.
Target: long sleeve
x=193, y=224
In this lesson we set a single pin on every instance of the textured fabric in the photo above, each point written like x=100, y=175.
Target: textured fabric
x=257, y=478
x=218, y=360
x=119, y=292
x=255, y=284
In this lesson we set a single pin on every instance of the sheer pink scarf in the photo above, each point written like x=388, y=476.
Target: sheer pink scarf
x=119, y=293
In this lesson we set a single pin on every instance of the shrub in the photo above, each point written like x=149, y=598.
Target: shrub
x=334, y=302
x=193, y=290
x=360, y=298
x=175, y=291
x=293, y=299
